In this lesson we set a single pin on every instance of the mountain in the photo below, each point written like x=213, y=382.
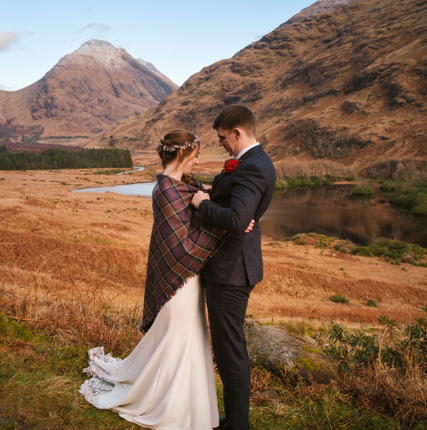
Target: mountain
x=316, y=9
x=345, y=81
x=86, y=92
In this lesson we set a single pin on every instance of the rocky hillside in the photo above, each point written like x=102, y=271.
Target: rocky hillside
x=344, y=80
x=316, y=8
x=85, y=93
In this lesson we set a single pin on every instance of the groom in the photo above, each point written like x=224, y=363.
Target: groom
x=242, y=192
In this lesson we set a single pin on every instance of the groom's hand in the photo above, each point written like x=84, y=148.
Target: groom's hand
x=250, y=226
x=198, y=198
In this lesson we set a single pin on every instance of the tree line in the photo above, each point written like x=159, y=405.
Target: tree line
x=55, y=158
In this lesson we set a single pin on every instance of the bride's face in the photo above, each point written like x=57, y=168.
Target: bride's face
x=190, y=161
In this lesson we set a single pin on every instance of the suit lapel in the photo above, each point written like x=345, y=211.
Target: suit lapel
x=253, y=151
x=217, y=178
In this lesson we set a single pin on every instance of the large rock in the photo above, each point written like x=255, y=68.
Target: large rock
x=281, y=352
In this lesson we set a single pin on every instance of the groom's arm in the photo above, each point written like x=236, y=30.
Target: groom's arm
x=246, y=193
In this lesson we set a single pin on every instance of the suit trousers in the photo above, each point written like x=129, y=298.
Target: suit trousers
x=227, y=306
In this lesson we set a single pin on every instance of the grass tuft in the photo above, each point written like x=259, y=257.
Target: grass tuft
x=339, y=298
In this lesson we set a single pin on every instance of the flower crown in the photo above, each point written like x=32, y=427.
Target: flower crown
x=172, y=148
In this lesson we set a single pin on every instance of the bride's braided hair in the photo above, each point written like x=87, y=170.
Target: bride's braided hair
x=170, y=146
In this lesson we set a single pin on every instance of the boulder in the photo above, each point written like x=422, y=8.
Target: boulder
x=267, y=395
x=282, y=353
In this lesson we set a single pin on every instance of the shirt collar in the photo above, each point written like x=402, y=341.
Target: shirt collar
x=245, y=150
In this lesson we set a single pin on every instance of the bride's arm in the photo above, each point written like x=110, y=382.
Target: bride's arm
x=245, y=197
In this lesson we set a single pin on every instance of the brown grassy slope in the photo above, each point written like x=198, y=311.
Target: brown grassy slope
x=86, y=92
x=321, y=6
x=372, y=54
x=52, y=237
x=4, y=95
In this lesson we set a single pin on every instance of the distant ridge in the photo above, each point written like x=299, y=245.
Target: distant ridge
x=85, y=92
x=317, y=8
x=348, y=84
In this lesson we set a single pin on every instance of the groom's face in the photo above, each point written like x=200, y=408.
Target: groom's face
x=227, y=139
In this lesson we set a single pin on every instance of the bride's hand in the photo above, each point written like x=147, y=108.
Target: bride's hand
x=207, y=187
x=198, y=198
x=250, y=226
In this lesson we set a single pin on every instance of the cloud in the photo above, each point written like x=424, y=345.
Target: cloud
x=5, y=88
x=94, y=26
x=86, y=9
x=8, y=39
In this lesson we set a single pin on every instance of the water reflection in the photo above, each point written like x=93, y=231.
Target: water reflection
x=326, y=210
x=142, y=190
x=332, y=211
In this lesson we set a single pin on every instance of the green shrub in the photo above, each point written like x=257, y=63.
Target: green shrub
x=397, y=248
x=404, y=196
x=420, y=210
x=300, y=239
x=398, y=245
x=394, y=254
x=377, y=250
x=364, y=251
x=371, y=303
x=293, y=182
x=305, y=182
x=351, y=350
x=388, y=186
x=339, y=298
x=321, y=244
x=420, y=204
x=361, y=191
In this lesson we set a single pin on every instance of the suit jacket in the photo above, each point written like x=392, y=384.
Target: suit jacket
x=236, y=199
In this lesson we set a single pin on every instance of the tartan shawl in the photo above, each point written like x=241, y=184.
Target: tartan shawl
x=180, y=245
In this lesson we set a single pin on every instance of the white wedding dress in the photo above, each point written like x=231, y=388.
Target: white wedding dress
x=167, y=382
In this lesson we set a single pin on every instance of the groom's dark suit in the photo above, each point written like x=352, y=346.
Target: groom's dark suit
x=229, y=277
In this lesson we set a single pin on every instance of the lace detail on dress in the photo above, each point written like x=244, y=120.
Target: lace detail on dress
x=101, y=366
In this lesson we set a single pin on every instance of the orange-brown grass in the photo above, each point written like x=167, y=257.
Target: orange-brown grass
x=315, y=168
x=400, y=396
x=71, y=312
x=74, y=314
x=88, y=290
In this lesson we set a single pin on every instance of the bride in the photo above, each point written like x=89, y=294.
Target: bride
x=167, y=382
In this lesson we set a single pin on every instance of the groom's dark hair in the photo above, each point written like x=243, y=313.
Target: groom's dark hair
x=235, y=116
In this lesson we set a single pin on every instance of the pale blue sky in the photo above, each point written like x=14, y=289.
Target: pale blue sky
x=178, y=37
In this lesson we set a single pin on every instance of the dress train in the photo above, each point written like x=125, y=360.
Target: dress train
x=167, y=382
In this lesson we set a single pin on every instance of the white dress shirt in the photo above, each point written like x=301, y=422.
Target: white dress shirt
x=245, y=150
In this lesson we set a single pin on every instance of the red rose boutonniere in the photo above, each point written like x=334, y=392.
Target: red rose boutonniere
x=231, y=165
